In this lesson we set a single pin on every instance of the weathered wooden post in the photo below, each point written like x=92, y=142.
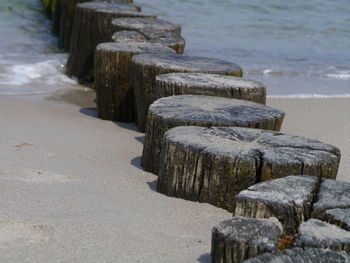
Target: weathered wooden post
x=237, y=239
x=168, y=39
x=146, y=67
x=289, y=199
x=67, y=18
x=205, y=111
x=214, y=164
x=210, y=85
x=92, y=26
x=113, y=78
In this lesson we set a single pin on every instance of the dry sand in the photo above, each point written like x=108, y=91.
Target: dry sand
x=71, y=187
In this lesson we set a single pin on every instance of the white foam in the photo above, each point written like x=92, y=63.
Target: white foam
x=340, y=75
x=48, y=72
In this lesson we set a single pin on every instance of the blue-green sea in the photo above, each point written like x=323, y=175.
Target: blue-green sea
x=296, y=48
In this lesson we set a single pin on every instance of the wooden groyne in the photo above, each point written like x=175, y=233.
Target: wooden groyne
x=208, y=134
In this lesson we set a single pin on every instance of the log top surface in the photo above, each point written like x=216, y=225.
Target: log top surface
x=128, y=36
x=248, y=229
x=341, y=215
x=248, y=142
x=333, y=194
x=212, y=110
x=134, y=47
x=315, y=231
x=184, y=63
x=289, y=189
x=209, y=80
x=109, y=7
x=141, y=23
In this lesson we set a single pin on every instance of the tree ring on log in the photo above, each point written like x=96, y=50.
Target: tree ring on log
x=205, y=111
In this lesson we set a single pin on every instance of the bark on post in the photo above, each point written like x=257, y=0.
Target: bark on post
x=147, y=67
x=238, y=239
x=214, y=164
x=210, y=85
x=300, y=255
x=67, y=18
x=113, y=80
x=205, y=111
x=56, y=16
x=92, y=26
x=289, y=199
x=168, y=39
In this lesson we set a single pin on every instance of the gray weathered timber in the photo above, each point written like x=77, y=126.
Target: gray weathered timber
x=92, y=26
x=214, y=164
x=339, y=217
x=332, y=194
x=205, y=111
x=237, y=239
x=146, y=67
x=128, y=36
x=299, y=255
x=113, y=80
x=168, y=39
x=144, y=25
x=289, y=199
x=316, y=233
x=67, y=18
x=210, y=85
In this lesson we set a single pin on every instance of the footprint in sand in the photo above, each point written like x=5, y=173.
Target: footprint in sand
x=34, y=176
x=23, y=234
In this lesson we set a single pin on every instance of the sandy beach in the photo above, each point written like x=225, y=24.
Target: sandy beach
x=72, y=189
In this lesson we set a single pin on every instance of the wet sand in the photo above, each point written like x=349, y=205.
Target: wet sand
x=72, y=190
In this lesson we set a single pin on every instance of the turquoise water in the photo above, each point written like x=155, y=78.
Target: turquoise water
x=296, y=48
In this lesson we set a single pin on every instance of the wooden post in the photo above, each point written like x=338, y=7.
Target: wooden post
x=289, y=199
x=214, y=164
x=92, y=26
x=210, y=85
x=168, y=39
x=146, y=67
x=316, y=233
x=205, y=111
x=237, y=239
x=67, y=18
x=113, y=80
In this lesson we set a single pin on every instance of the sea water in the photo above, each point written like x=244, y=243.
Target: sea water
x=296, y=48
x=30, y=62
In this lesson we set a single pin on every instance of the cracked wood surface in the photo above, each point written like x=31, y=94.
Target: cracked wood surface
x=146, y=67
x=210, y=85
x=168, y=39
x=92, y=26
x=316, y=233
x=332, y=194
x=289, y=199
x=237, y=239
x=194, y=110
x=114, y=91
x=214, y=164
